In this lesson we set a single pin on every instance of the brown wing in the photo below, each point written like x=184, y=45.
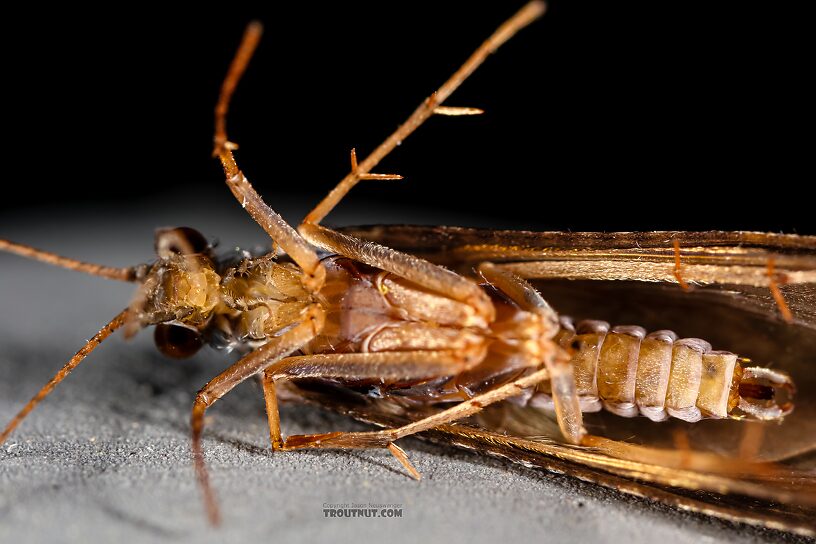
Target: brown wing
x=735, y=263
x=736, y=312
x=769, y=495
x=731, y=306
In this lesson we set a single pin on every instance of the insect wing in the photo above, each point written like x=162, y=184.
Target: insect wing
x=772, y=496
x=729, y=304
x=713, y=258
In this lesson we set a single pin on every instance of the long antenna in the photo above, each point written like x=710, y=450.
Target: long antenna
x=122, y=274
x=106, y=331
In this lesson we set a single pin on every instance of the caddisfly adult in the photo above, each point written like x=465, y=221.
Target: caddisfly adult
x=431, y=326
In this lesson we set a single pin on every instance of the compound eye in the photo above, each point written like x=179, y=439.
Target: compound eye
x=177, y=342
x=180, y=241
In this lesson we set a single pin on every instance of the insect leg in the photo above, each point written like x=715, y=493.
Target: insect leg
x=402, y=457
x=430, y=106
x=773, y=284
x=249, y=42
x=381, y=439
x=269, y=220
x=278, y=229
x=420, y=271
x=565, y=396
x=254, y=362
x=678, y=267
x=776, y=292
x=388, y=366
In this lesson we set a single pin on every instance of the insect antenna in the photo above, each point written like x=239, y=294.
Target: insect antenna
x=131, y=273
x=97, y=339
x=252, y=36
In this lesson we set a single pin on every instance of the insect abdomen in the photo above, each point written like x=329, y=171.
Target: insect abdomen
x=627, y=371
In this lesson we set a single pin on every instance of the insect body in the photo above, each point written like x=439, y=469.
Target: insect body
x=658, y=375
x=400, y=327
x=360, y=310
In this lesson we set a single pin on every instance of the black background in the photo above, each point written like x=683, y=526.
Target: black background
x=600, y=116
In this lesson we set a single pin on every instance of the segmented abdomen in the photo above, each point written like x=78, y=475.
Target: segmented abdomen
x=627, y=371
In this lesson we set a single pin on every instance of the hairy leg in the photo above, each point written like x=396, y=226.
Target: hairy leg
x=430, y=106
x=279, y=230
x=381, y=439
x=249, y=365
x=565, y=396
x=389, y=366
x=419, y=271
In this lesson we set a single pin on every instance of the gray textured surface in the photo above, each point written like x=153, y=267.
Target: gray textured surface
x=106, y=457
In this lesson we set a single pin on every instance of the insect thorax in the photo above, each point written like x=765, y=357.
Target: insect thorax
x=259, y=298
x=239, y=305
x=244, y=302
x=370, y=310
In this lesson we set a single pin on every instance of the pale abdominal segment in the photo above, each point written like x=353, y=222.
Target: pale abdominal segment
x=629, y=372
